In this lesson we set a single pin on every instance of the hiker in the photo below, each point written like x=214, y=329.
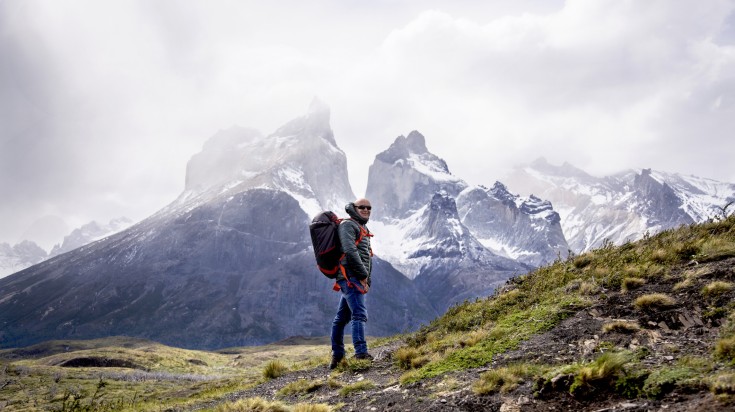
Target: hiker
x=353, y=281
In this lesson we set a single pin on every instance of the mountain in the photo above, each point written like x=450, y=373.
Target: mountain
x=228, y=263
x=621, y=207
x=526, y=229
x=428, y=223
x=88, y=233
x=19, y=256
x=28, y=253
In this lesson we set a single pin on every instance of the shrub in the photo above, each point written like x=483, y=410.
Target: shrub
x=621, y=326
x=717, y=288
x=582, y=261
x=274, y=369
x=654, y=301
x=356, y=387
x=632, y=283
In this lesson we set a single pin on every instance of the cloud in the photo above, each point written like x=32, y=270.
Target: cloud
x=102, y=103
x=605, y=85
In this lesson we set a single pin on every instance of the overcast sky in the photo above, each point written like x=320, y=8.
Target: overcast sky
x=103, y=102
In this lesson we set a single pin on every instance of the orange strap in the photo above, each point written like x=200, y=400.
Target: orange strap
x=336, y=287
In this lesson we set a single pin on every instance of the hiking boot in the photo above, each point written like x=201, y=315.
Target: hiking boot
x=335, y=361
x=364, y=356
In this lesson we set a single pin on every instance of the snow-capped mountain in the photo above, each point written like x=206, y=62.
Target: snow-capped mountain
x=88, y=233
x=301, y=158
x=621, y=207
x=427, y=222
x=28, y=253
x=526, y=229
x=19, y=256
x=228, y=263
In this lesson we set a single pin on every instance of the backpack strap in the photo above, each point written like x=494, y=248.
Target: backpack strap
x=363, y=232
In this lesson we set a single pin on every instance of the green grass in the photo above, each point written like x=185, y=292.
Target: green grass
x=505, y=379
x=356, y=387
x=300, y=387
x=166, y=376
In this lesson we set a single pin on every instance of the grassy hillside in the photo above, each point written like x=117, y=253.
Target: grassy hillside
x=644, y=325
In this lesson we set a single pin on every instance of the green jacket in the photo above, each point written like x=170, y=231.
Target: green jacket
x=358, y=258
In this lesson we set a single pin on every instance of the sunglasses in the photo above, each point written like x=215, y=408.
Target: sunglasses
x=361, y=207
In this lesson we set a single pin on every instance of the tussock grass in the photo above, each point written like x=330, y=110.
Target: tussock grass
x=631, y=283
x=409, y=358
x=588, y=288
x=504, y=379
x=725, y=348
x=361, y=386
x=601, y=371
x=717, y=288
x=723, y=383
x=300, y=387
x=621, y=326
x=654, y=301
x=263, y=405
x=274, y=369
x=254, y=405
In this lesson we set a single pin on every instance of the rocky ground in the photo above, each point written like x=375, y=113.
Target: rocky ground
x=666, y=334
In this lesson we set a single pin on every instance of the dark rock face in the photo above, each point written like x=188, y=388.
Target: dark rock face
x=236, y=271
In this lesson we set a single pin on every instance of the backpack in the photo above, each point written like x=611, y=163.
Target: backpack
x=325, y=239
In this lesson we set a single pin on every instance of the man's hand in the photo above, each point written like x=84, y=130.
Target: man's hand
x=365, y=285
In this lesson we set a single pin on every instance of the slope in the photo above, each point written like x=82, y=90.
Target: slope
x=645, y=325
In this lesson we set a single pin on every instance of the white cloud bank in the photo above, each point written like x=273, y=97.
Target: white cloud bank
x=102, y=103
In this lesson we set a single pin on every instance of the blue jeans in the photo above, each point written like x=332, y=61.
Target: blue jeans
x=351, y=308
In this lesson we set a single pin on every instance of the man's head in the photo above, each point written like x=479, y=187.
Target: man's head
x=363, y=208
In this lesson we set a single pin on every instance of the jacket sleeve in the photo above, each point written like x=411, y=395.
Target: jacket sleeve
x=348, y=234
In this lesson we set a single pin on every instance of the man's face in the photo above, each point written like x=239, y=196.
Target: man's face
x=363, y=208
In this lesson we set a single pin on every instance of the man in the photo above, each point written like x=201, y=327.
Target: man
x=354, y=281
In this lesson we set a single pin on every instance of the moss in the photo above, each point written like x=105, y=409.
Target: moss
x=662, y=381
